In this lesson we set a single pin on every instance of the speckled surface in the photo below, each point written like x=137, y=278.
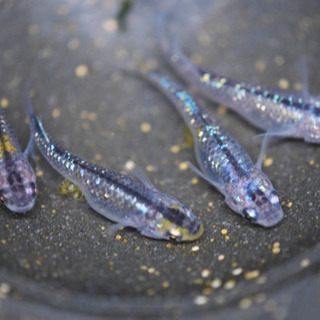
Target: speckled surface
x=58, y=259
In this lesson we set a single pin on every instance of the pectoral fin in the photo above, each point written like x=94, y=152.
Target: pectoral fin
x=214, y=182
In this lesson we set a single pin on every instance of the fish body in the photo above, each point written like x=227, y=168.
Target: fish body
x=17, y=178
x=275, y=111
x=119, y=197
x=223, y=161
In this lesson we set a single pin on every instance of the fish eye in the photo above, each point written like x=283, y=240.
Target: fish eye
x=31, y=189
x=2, y=193
x=250, y=214
x=174, y=233
x=274, y=197
x=251, y=195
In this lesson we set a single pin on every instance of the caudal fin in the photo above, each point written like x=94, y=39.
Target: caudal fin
x=161, y=33
x=167, y=47
x=28, y=103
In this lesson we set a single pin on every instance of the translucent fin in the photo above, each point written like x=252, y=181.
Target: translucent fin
x=264, y=145
x=277, y=134
x=215, y=183
x=30, y=148
x=266, y=140
x=161, y=23
x=28, y=103
x=131, y=168
x=164, y=42
x=306, y=96
x=117, y=226
x=304, y=77
x=114, y=228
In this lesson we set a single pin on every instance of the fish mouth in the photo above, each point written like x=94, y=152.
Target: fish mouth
x=21, y=209
x=194, y=237
x=200, y=233
x=187, y=235
x=271, y=219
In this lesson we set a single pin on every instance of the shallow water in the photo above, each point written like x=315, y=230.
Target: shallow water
x=59, y=254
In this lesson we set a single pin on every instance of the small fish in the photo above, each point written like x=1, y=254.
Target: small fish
x=223, y=162
x=278, y=113
x=118, y=197
x=17, y=179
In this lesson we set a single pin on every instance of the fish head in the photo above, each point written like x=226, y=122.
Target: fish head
x=175, y=222
x=256, y=200
x=18, y=193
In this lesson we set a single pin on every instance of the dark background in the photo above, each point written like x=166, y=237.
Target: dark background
x=58, y=260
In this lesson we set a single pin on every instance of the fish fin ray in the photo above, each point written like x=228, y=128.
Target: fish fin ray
x=214, y=182
x=137, y=172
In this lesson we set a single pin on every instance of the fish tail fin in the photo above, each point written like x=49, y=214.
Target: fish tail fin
x=168, y=47
x=28, y=103
x=165, y=44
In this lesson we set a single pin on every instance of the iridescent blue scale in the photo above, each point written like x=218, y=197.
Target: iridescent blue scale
x=223, y=162
x=278, y=112
x=17, y=178
x=119, y=197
